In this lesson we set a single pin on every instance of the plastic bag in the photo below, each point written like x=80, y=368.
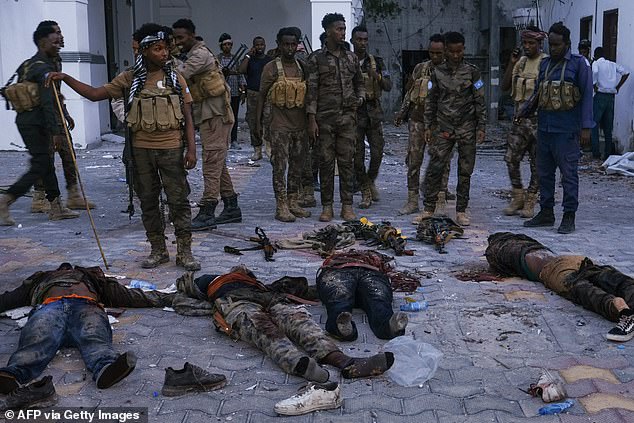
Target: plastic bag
x=415, y=362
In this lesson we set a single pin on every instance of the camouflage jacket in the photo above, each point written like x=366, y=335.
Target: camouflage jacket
x=372, y=107
x=335, y=84
x=455, y=102
x=414, y=111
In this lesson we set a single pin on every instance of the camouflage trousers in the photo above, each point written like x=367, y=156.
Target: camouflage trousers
x=288, y=150
x=439, y=156
x=521, y=141
x=156, y=169
x=415, y=155
x=278, y=331
x=310, y=171
x=372, y=128
x=214, y=136
x=337, y=136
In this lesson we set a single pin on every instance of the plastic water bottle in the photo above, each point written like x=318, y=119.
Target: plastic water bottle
x=415, y=306
x=145, y=285
x=556, y=408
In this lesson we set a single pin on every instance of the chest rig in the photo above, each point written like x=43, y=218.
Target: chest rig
x=421, y=85
x=288, y=92
x=558, y=95
x=372, y=85
x=155, y=109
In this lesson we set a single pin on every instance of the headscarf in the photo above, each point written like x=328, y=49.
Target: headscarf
x=139, y=75
x=533, y=35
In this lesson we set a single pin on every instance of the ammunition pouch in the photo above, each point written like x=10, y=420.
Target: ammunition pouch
x=23, y=96
x=372, y=86
x=207, y=84
x=523, y=88
x=419, y=90
x=558, y=95
x=156, y=109
x=288, y=93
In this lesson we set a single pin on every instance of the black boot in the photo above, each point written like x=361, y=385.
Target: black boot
x=545, y=217
x=231, y=213
x=567, y=223
x=206, y=218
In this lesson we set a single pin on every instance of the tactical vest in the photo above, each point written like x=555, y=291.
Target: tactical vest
x=210, y=83
x=525, y=82
x=558, y=95
x=288, y=92
x=421, y=86
x=23, y=96
x=155, y=109
x=372, y=86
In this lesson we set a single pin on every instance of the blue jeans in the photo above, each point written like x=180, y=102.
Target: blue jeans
x=558, y=150
x=603, y=113
x=68, y=322
x=341, y=290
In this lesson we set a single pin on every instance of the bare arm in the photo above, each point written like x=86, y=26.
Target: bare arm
x=84, y=90
x=507, y=79
x=622, y=81
x=190, y=155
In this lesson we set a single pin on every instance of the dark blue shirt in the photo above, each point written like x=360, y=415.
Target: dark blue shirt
x=254, y=71
x=578, y=72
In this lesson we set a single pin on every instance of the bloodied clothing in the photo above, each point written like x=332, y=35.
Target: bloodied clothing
x=261, y=316
x=575, y=278
x=69, y=312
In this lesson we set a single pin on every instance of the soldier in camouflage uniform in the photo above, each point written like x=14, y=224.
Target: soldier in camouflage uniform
x=283, y=83
x=335, y=90
x=521, y=78
x=455, y=112
x=262, y=315
x=369, y=117
x=413, y=106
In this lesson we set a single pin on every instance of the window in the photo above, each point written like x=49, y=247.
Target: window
x=610, y=33
x=585, y=28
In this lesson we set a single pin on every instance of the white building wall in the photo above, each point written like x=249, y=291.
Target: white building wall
x=571, y=13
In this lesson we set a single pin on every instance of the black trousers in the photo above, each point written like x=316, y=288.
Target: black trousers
x=38, y=141
x=342, y=290
x=235, y=106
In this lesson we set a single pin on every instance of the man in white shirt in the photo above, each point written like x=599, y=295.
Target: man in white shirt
x=607, y=78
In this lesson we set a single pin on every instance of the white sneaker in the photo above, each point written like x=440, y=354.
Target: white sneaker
x=313, y=397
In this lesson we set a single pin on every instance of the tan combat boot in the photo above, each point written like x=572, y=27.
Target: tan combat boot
x=158, y=254
x=257, y=153
x=5, y=217
x=424, y=215
x=366, y=198
x=307, y=197
x=294, y=207
x=375, y=192
x=412, y=203
x=326, y=213
x=462, y=219
x=347, y=213
x=40, y=204
x=441, y=202
x=529, y=205
x=282, y=213
x=75, y=200
x=517, y=202
x=59, y=212
x=184, y=256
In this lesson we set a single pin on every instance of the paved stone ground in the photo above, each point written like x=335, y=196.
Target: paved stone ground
x=495, y=336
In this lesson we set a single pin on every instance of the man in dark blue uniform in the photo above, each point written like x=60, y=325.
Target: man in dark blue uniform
x=565, y=118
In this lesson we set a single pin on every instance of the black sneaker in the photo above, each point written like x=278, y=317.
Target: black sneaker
x=190, y=379
x=545, y=217
x=8, y=383
x=38, y=394
x=624, y=330
x=567, y=225
x=117, y=370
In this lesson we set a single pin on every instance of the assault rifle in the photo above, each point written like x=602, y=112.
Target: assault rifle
x=264, y=243
x=383, y=235
x=438, y=231
x=237, y=58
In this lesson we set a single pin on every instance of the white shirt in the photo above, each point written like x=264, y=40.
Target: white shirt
x=606, y=75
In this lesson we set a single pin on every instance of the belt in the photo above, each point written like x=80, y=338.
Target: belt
x=50, y=300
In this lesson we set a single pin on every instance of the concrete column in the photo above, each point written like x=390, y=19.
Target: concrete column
x=494, y=61
x=319, y=8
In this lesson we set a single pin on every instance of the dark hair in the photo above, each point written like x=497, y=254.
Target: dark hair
x=46, y=23
x=186, y=24
x=560, y=29
x=259, y=37
x=453, y=37
x=147, y=29
x=437, y=38
x=331, y=18
x=346, y=45
x=598, y=53
x=224, y=37
x=42, y=32
x=289, y=31
x=322, y=37
x=359, y=28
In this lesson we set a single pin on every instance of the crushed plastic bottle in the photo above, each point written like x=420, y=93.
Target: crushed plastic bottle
x=137, y=283
x=556, y=408
x=415, y=306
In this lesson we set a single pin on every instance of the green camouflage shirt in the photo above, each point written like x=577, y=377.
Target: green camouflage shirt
x=455, y=102
x=334, y=84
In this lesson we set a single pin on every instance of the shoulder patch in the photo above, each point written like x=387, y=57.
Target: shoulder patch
x=478, y=84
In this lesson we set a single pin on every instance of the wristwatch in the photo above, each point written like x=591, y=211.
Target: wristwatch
x=247, y=56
